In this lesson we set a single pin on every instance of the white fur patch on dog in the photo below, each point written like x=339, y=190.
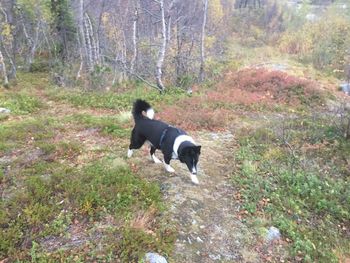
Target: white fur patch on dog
x=150, y=113
x=194, y=171
x=169, y=168
x=130, y=152
x=180, y=139
x=155, y=159
x=194, y=179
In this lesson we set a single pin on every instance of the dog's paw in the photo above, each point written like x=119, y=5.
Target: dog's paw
x=155, y=159
x=194, y=179
x=169, y=168
x=130, y=152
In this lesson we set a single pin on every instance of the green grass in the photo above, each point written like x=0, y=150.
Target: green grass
x=108, y=124
x=46, y=189
x=20, y=133
x=20, y=99
x=308, y=192
x=115, y=100
x=20, y=103
x=53, y=194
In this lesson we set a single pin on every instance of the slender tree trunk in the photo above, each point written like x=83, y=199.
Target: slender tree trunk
x=123, y=57
x=33, y=42
x=3, y=69
x=88, y=44
x=34, y=45
x=82, y=41
x=94, y=42
x=9, y=19
x=161, y=53
x=202, y=51
x=13, y=20
x=78, y=76
x=178, y=59
x=134, y=41
x=99, y=32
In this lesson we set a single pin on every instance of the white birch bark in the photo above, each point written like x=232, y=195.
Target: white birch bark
x=134, y=41
x=34, y=44
x=89, y=48
x=81, y=40
x=93, y=42
x=3, y=69
x=202, y=51
x=13, y=71
x=161, y=53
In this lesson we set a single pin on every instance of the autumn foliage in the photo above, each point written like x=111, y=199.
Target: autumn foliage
x=249, y=87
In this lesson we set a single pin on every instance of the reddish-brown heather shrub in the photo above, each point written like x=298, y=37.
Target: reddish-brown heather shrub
x=211, y=111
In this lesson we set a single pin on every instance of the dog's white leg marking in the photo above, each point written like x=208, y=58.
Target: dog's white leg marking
x=130, y=152
x=194, y=179
x=169, y=168
x=155, y=159
x=194, y=171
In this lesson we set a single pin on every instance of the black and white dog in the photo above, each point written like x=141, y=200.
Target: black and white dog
x=173, y=142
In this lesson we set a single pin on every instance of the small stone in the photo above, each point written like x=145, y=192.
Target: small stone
x=199, y=240
x=4, y=110
x=273, y=234
x=215, y=257
x=189, y=240
x=345, y=88
x=154, y=258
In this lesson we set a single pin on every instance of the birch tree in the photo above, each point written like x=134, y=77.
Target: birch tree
x=161, y=53
x=7, y=39
x=81, y=40
x=202, y=44
x=134, y=38
x=3, y=70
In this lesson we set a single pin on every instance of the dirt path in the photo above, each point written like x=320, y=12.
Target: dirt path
x=206, y=215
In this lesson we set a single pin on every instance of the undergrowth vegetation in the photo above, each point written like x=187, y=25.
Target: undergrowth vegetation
x=114, y=99
x=63, y=178
x=293, y=174
x=20, y=103
x=255, y=90
x=322, y=43
x=69, y=194
x=53, y=198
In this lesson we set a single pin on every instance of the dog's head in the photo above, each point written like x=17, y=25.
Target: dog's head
x=190, y=156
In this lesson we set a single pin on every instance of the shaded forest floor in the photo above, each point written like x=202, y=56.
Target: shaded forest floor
x=273, y=155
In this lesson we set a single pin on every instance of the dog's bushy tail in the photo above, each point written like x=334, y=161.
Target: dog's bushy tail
x=139, y=107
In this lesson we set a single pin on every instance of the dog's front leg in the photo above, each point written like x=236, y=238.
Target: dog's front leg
x=152, y=153
x=167, y=164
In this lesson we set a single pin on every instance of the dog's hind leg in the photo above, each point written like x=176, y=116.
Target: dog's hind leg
x=136, y=141
x=154, y=158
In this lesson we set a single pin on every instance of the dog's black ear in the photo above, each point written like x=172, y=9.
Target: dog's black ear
x=197, y=149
